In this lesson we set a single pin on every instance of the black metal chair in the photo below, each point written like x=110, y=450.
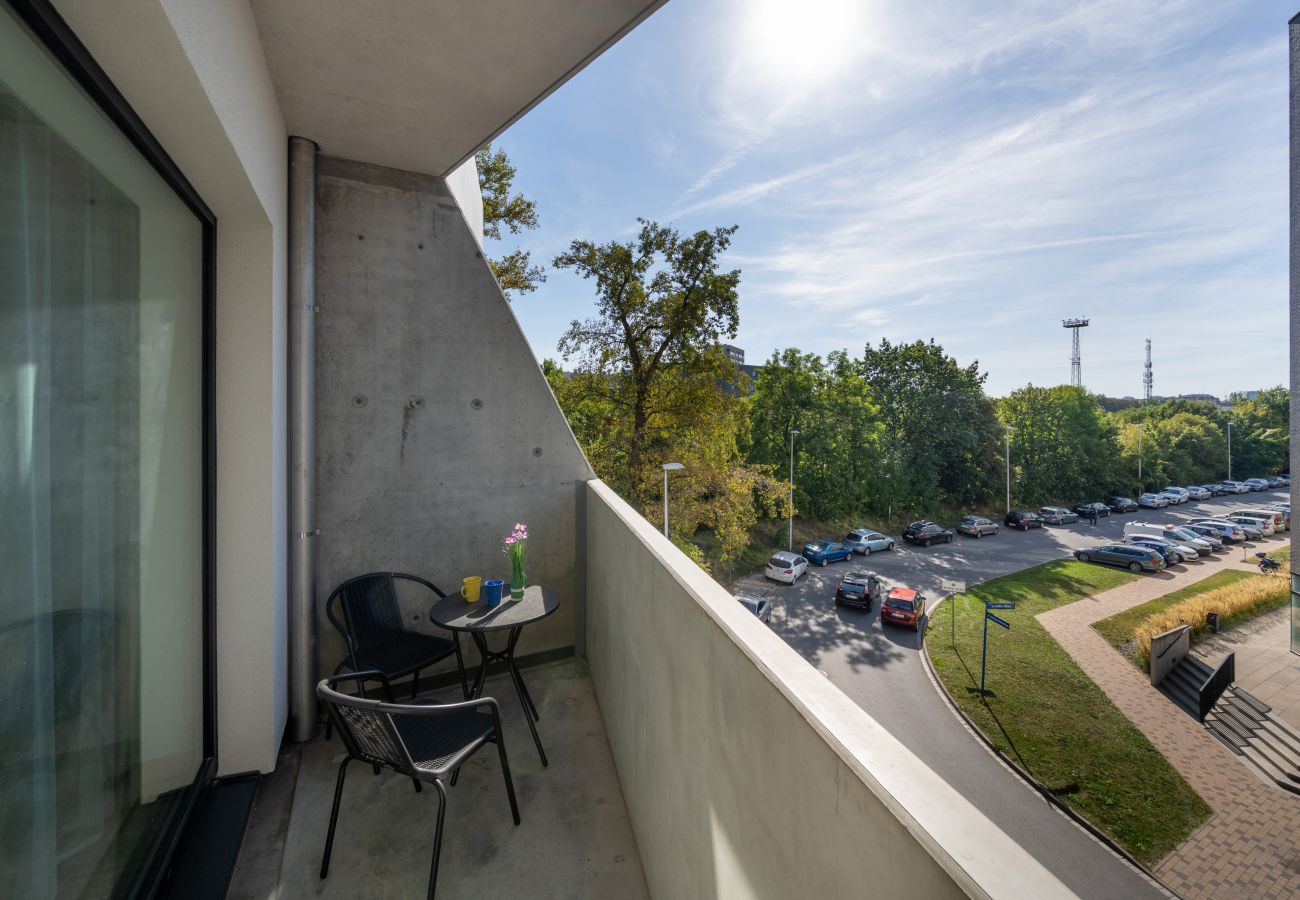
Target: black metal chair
x=423, y=742
x=371, y=625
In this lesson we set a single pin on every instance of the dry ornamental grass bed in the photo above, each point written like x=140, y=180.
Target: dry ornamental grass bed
x=1233, y=602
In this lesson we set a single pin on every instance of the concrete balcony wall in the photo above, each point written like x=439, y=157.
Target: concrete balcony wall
x=746, y=773
x=436, y=430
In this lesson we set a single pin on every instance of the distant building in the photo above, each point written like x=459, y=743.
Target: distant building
x=1208, y=398
x=735, y=354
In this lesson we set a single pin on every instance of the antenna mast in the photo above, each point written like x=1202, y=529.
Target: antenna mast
x=1146, y=375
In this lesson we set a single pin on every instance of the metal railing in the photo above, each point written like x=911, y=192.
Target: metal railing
x=1216, y=684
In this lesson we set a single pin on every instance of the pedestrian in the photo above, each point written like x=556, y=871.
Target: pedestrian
x=1092, y=515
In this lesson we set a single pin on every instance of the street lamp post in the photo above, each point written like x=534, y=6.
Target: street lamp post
x=1008, y=470
x=1229, y=451
x=793, y=432
x=668, y=467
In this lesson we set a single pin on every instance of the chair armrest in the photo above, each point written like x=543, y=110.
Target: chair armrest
x=440, y=709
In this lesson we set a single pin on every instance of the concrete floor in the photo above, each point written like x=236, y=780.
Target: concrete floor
x=574, y=841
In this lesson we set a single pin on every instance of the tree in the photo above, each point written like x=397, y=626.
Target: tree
x=651, y=321
x=1063, y=445
x=938, y=424
x=514, y=271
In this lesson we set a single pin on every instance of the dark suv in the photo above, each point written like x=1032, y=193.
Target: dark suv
x=1085, y=510
x=858, y=589
x=1122, y=504
x=927, y=533
x=1023, y=520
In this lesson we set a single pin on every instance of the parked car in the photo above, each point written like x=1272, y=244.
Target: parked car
x=1197, y=492
x=1152, y=501
x=1257, y=484
x=1168, y=533
x=1121, y=504
x=823, y=551
x=1127, y=556
x=1182, y=493
x=864, y=541
x=858, y=588
x=758, y=606
x=1249, y=532
x=785, y=567
x=1277, y=517
x=1215, y=489
x=1022, y=520
x=927, y=533
x=903, y=606
x=1229, y=532
x=1171, y=554
x=1263, y=526
x=1285, y=510
x=1217, y=542
x=1174, y=497
x=1085, y=510
x=1057, y=515
x=1236, y=487
x=977, y=526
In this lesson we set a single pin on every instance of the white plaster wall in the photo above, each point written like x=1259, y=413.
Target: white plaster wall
x=746, y=773
x=195, y=73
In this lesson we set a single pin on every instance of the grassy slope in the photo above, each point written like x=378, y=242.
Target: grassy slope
x=1118, y=629
x=1046, y=714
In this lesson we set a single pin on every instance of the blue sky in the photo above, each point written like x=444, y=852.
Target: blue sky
x=970, y=171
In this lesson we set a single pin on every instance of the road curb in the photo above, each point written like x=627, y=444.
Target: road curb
x=1028, y=780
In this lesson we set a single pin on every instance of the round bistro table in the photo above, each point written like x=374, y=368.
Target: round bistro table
x=476, y=620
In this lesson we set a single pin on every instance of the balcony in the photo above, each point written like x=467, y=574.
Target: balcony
x=693, y=754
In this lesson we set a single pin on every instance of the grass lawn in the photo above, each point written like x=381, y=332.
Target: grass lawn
x=1046, y=714
x=1118, y=629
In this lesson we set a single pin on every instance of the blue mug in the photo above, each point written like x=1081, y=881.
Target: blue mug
x=492, y=592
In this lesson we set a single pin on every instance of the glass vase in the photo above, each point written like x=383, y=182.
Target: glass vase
x=517, y=577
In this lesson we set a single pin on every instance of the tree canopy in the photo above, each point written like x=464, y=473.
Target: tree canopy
x=514, y=271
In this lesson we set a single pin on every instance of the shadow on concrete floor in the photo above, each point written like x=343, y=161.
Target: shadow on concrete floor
x=574, y=840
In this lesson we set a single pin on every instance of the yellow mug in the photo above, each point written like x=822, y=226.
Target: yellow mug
x=469, y=588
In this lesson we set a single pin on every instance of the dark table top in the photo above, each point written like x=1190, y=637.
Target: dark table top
x=454, y=614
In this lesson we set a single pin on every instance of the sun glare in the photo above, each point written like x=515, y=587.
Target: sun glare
x=802, y=40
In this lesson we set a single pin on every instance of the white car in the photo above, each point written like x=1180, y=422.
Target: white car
x=1168, y=533
x=1198, y=492
x=1182, y=494
x=785, y=567
x=1186, y=554
x=1174, y=497
x=1263, y=526
x=1153, y=501
x=1236, y=487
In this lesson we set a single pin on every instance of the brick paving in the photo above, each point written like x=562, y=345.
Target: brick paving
x=1265, y=665
x=1250, y=846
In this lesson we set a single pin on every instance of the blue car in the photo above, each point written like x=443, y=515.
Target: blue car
x=824, y=551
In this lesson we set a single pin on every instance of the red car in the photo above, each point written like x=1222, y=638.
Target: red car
x=903, y=606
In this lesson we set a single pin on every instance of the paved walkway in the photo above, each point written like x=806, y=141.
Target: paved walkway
x=1249, y=847
x=1265, y=665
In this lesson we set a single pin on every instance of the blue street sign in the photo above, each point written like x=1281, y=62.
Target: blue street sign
x=989, y=605
x=1003, y=622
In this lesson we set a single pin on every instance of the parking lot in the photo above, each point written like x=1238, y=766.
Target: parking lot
x=881, y=669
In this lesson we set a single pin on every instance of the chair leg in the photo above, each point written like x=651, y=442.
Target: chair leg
x=334, y=817
x=416, y=782
x=505, y=772
x=437, y=837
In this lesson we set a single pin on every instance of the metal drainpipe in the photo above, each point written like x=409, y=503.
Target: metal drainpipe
x=303, y=532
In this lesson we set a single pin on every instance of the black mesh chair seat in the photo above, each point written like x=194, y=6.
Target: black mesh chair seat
x=366, y=612
x=425, y=742
x=404, y=653
x=434, y=744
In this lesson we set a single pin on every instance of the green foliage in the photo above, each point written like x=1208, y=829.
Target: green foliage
x=1062, y=445
x=514, y=271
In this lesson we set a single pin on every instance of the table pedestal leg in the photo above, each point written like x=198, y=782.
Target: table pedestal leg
x=508, y=657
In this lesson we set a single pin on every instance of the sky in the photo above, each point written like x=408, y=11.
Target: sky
x=971, y=172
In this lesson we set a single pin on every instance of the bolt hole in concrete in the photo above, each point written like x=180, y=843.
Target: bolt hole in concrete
x=415, y=402
x=359, y=400
x=537, y=451
x=420, y=246
x=476, y=403
x=361, y=237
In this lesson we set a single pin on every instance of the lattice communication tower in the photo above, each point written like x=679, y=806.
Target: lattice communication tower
x=1076, y=362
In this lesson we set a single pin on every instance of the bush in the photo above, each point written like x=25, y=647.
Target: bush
x=1234, y=602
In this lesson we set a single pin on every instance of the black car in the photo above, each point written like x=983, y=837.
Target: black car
x=1023, y=520
x=1128, y=556
x=927, y=533
x=1085, y=510
x=1122, y=504
x=858, y=588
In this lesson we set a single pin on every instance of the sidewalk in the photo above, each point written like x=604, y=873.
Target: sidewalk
x=1249, y=847
x=1265, y=665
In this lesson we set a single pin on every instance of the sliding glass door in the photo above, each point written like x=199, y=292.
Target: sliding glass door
x=101, y=489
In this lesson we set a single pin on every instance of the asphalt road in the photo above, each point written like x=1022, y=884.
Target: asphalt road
x=881, y=669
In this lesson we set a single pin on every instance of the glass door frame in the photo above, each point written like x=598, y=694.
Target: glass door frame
x=59, y=39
